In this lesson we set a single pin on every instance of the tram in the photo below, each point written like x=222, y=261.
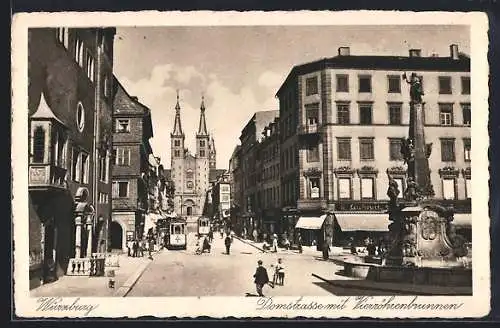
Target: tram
x=174, y=232
x=203, y=226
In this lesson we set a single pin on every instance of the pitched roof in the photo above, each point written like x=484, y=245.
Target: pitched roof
x=44, y=111
x=444, y=64
x=213, y=174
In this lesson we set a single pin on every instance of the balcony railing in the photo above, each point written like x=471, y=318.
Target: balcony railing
x=308, y=129
x=311, y=204
x=47, y=176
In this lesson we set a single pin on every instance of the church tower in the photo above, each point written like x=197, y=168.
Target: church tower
x=212, y=154
x=177, y=157
x=202, y=157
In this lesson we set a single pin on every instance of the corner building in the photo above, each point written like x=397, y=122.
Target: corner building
x=342, y=120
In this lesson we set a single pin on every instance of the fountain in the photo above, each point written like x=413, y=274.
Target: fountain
x=425, y=248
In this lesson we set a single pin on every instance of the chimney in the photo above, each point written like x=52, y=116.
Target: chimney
x=344, y=51
x=415, y=52
x=454, y=51
x=134, y=98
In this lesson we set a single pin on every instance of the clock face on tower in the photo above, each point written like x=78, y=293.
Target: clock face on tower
x=189, y=184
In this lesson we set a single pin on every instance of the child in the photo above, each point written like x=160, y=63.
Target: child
x=280, y=273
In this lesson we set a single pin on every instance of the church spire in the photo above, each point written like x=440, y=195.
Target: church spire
x=202, y=129
x=177, y=123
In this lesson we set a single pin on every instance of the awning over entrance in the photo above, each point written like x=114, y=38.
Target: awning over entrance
x=310, y=223
x=462, y=220
x=363, y=222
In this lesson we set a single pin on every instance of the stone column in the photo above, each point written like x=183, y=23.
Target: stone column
x=420, y=170
x=78, y=237
x=89, y=236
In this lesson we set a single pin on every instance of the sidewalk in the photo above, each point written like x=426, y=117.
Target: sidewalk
x=130, y=268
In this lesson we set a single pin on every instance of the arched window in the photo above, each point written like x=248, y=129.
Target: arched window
x=38, y=144
x=189, y=210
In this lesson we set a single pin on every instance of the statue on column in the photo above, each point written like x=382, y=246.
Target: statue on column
x=416, y=90
x=393, y=193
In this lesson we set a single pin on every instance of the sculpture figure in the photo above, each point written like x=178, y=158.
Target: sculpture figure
x=411, y=189
x=407, y=150
x=393, y=193
x=416, y=90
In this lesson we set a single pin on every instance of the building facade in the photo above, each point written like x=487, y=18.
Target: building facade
x=189, y=172
x=251, y=211
x=236, y=185
x=221, y=199
x=131, y=167
x=342, y=121
x=70, y=107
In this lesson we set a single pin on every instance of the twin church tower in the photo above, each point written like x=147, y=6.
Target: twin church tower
x=191, y=172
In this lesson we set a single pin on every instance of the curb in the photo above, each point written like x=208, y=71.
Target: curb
x=124, y=289
x=246, y=242
x=346, y=284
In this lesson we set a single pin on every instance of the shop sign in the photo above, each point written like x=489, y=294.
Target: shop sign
x=361, y=206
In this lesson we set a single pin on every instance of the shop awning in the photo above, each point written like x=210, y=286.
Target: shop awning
x=363, y=222
x=310, y=222
x=462, y=220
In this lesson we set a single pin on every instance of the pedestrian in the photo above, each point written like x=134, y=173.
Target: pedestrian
x=227, y=242
x=299, y=242
x=210, y=236
x=260, y=278
x=221, y=232
x=135, y=246
x=254, y=234
x=129, y=247
x=275, y=243
x=326, y=249
x=151, y=248
x=371, y=248
x=279, y=273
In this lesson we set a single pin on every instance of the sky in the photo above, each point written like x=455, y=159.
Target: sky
x=238, y=69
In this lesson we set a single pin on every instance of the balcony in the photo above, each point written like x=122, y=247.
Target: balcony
x=311, y=204
x=47, y=177
x=308, y=129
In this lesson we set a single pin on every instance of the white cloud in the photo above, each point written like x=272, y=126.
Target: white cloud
x=270, y=80
x=227, y=111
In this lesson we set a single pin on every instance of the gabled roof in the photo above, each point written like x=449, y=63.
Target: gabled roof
x=445, y=64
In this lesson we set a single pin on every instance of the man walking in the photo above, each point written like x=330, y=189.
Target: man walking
x=227, y=242
x=260, y=278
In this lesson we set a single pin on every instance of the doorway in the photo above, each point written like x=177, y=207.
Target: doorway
x=116, y=232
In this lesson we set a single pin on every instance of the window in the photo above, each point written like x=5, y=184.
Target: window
x=395, y=114
x=177, y=143
x=468, y=188
x=202, y=153
x=365, y=83
x=343, y=114
x=365, y=114
x=189, y=212
x=89, y=66
x=367, y=188
x=395, y=149
x=39, y=145
x=312, y=113
x=79, y=51
x=177, y=153
x=444, y=84
x=394, y=84
x=189, y=174
x=448, y=188
x=344, y=188
x=314, y=188
x=344, y=148
x=75, y=165
x=106, y=87
x=311, y=86
x=465, y=85
x=448, y=150
x=120, y=189
x=59, y=142
x=446, y=114
x=80, y=117
x=202, y=143
x=122, y=156
x=103, y=198
x=342, y=83
x=102, y=168
x=62, y=36
x=366, y=149
x=467, y=150
x=122, y=126
x=466, y=114
x=85, y=167
x=312, y=154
